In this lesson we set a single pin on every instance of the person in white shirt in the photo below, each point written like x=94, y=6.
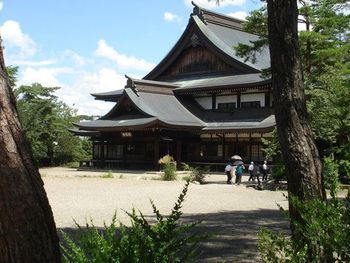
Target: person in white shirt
x=228, y=169
x=265, y=171
x=251, y=171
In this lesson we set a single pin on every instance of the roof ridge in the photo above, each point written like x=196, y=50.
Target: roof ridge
x=208, y=16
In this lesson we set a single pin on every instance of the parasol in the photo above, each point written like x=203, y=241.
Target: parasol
x=236, y=157
x=239, y=162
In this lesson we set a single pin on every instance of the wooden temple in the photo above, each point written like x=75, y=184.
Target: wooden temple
x=201, y=104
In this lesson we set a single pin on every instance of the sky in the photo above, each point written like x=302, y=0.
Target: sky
x=86, y=46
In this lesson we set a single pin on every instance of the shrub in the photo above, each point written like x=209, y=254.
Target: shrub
x=324, y=236
x=109, y=174
x=330, y=175
x=344, y=171
x=166, y=241
x=278, y=173
x=196, y=173
x=169, y=170
x=168, y=166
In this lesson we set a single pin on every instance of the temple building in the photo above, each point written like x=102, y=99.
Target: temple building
x=201, y=104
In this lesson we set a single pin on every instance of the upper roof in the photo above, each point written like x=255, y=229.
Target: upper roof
x=218, y=33
x=218, y=84
x=204, y=84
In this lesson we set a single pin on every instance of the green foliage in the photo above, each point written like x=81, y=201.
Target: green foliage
x=169, y=170
x=109, y=174
x=45, y=121
x=197, y=174
x=276, y=248
x=168, y=165
x=12, y=72
x=278, y=173
x=323, y=237
x=330, y=175
x=256, y=23
x=344, y=171
x=271, y=147
x=168, y=240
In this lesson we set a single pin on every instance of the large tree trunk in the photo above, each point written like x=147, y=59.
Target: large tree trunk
x=27, y=228
x=294, y=132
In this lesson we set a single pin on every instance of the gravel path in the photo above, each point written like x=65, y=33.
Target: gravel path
x=233, y=213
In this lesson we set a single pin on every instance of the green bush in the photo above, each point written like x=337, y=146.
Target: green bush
x=344, y=171
x=330, y=175
x=168, y=240
x=108, y=175
x=169, y=170
x=196, y=173
x=278, y=173
x=324, y=236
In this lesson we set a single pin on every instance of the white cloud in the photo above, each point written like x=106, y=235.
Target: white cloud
x=1, y=5
x=14, y=37
x=45, y=76
x=213, y=4
x=77, y=59
x=40, y=63
x=78, y=95
x=239, y=14
x=170, y=17
x=123, y=61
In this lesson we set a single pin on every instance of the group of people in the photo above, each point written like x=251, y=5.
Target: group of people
x=253, y=169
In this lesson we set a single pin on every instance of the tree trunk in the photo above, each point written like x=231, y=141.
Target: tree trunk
x=294, y=132
x=27, y=228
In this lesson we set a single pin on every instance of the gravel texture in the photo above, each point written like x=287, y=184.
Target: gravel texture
x=233, y=213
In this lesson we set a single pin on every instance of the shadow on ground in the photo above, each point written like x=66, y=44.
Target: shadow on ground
x=233, y=233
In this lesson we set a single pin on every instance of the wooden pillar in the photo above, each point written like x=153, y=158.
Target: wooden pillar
x=178, y=152
x=223, y=147
x=267, y=100
x=213, y=101
x=102, y=159
x=156, y=152
x=124, y=154
x=250, y=147
x=238, y=100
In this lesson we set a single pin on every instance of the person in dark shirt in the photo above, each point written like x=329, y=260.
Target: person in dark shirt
x=239, y=172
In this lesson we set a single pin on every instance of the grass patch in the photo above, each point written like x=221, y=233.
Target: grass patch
x=108, y=175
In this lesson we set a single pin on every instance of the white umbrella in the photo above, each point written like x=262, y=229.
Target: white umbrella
x=236, y=157
x=239, y=162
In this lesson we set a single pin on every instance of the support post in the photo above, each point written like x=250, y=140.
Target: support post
x=178, y=152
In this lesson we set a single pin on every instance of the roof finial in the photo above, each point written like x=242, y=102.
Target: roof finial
x=130, y=84
x=196, y=8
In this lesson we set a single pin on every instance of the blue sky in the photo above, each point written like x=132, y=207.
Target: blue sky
x=86, y=46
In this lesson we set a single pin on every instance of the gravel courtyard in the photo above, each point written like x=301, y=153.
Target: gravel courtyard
x=233, y=213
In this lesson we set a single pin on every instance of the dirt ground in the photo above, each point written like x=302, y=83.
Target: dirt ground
x=234, y=214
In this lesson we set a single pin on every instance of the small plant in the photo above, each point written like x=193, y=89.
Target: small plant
x=196, y=173
x=168, y=240
x=168, y=165
x=169, y=172
x=72, y=165
x=121, y=176
x=108, y=175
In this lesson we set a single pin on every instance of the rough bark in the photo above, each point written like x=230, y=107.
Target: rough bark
x=294, y=132
x=27, y=228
